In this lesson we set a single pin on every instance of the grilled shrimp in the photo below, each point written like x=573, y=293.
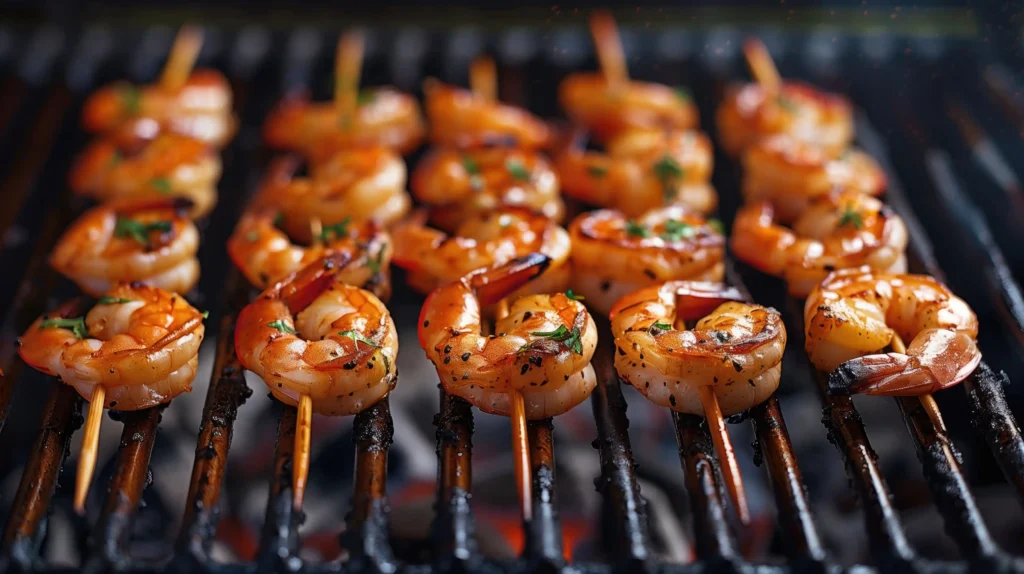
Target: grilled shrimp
x=790, y=173
x=434, y=258
x=836, y=232
x=384, y=118
x=148, y=240
x=736, y=347
x=461, y=118
x=460, y=184
x=365, y=184
x=613, y=255
x=749, y=114
x=589, y=101
x=168, y=165
x=201, y=109
x=642, y=170
x=310, y=334
x=853, y=315
x=265, y=253
x=139, y=343
x=542, y=348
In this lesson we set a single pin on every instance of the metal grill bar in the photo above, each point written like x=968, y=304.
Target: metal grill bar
x=366, y=535
x=454, y=528
x=544, y=532
x=279, y=540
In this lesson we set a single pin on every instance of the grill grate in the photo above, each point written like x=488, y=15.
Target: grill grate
x=34, y=181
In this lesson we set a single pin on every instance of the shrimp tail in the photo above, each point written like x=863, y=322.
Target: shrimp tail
x=494, y=284
x=892, y=374
x=301, y=288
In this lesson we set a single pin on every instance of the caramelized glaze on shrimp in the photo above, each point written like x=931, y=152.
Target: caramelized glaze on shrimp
x=642, y=170
x=463, y=119
x=613, y=255
x=460, y=184
x=805, y=113
x=148, y=240
x=543, y=346
x=139, y=343
x=735, y=347
x=169, y=165
x=836, y=232
x=590, y=101
x=853, y=315
x=310, y=334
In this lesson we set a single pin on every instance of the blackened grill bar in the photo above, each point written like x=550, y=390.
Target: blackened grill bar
x=624, y=524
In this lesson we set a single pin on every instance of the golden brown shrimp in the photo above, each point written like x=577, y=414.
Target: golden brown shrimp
x=169, y=165
x=750, y=113
x=201, y=109
x=736, y=348
x=464, y=119
x=149, y=240
x=310, y=334
x=836, y=232
x=139, y=343
x=366, y=184
x=642, y=170
x=613, y=255
x=384, y=118
x=790, y=173
x=433, y=258
x=543, y=346
x=590, y=101
x=265, y=254
x=853, y=316
x=460, y=184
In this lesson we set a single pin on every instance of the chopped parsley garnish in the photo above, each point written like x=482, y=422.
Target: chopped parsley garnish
x=574, y=296
x=130, y=99
x=683, y=94
x=374, y=263
x=634, y=229
x=76, y=325
x=597, y=171
x=365, y=97
x=161, y=184
x=282, y=326
x=205, y=314
x=678, y=230
x=126, y=227
x=717, y=225
x=338, y=230
x=668, y=171
x=851, y=217
x=358, y=338
x=517, y=169
x=787, y=104
x=662, y=326
x=105, y=300
x=572, y=338
x=470, y=165
x=279, y=220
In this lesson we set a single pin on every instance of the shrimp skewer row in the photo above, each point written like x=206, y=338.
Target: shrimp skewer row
x=730, y=361
x=541, y=353
x=319, y=345
x=135, y=349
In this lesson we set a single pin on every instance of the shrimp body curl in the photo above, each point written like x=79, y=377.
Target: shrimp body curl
x=168, y=165
x=855, y=313
x=310, y=334
x=201, y=109
x=613, y=255
x=590, y=101
x=140, y=343
x=542, y=348
x=459, y=185
x=642, y=170
x=433, y=258
x=836, y=232
x=749, y=114
x=462, y=119
x=736, y=347
x=151, y=241
x=384, y=118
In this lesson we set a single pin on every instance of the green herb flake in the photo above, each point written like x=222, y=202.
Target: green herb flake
x=668, y=171
x=126, y=227
x=787, y=104
x=161, y=184
x=282, y=326
x=470, y=165
x=375, y=263
x=683, y=94
x=597, y=172
x=851, y=217
x=76, y=325
x=716, y=225
x=662, y=326
x=131, y=99
x=634, y=229
x=572, y=338
x=574, y=296
x=517, y=169
x=678, y=230
x=279, y=221
x=205, y=314
x=252, y=236
x=358, y=338
x=365, y=97
x=338, y=230
x=105, y=300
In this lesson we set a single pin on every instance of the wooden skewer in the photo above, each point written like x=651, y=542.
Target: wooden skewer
x=90, y=442
x=761, y=65
x=609, y=50
x=520, y=439
x=300, y=458
x=927, y=401
x=182, y=58
x=483, y=78
x=348, y=66
x=726, y=454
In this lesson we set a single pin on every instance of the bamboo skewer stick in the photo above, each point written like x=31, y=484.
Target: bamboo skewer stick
x=300, y=458
x=348, y=67
x=761, y=65
x=726, y=454
x=90, y=447
x=182, y=58
x=483, y=78
x=609, y=50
